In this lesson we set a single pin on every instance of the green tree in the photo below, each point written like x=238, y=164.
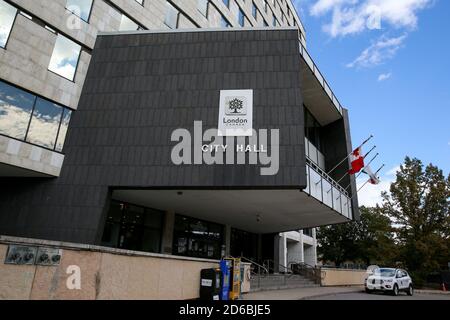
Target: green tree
x=375, y=239
x=369, y=240
x=418, y=205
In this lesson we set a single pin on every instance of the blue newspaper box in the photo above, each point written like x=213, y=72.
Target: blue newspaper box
x=225, y=268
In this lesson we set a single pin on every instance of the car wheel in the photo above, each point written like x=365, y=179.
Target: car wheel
x=410, y=291
x=368, y=291
x=395, y=290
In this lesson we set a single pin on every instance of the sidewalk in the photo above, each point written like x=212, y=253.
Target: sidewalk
x=432, y=292
x=299, y=294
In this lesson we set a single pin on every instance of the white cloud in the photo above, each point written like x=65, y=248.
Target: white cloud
x=370, y=195
x=393, y=171
x=65, y=57
x=355, y=16
x=378, y=52
x=7, y=16
x=43, y=128
x=384, y=76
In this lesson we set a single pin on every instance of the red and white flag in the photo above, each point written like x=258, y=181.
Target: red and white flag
x=357, y=161
x=373, y=177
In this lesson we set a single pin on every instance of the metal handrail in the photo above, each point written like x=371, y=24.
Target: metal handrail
x=313, y=273
x=325, y=176
x=287, y=270
x=266, y=271
x=340, y=202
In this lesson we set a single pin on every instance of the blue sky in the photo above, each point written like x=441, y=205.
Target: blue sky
x=394, y=77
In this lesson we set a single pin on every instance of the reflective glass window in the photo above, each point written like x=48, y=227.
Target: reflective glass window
x=16, y=107
x=65, y=56
x=7, y=17
x=80, y=8
x=45, y=124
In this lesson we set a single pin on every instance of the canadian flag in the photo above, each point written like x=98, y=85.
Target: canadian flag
x=373, y=177
x=357, y=161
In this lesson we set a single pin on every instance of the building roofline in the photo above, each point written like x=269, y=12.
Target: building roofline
x=189, y=30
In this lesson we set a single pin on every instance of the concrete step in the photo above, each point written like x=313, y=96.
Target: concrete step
x=280, y=282
x=270, y=288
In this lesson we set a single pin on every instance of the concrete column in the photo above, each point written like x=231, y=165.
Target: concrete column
x=294, y=252
x=280, y=252
x=310, y=255
x=311, y=251
x=167, y=234
x=314, y=248
x=302, y=254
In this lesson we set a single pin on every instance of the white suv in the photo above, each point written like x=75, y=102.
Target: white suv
x=389, y=280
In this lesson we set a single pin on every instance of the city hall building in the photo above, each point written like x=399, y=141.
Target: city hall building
x=187, y=128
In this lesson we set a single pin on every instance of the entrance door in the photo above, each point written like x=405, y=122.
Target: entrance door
x=133, y=227
x=244, y=244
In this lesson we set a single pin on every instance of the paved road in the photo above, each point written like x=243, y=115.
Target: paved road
x=339, y=293
x=380, y=296
x=300, y=293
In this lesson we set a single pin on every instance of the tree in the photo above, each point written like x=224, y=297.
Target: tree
x=369, y=240
x=336, y=243
x=375, y=238
x=418, y=205
x=236, y=105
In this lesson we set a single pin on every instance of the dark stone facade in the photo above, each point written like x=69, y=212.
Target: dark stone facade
x=139, y=89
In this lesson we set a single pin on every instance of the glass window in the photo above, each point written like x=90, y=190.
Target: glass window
x=202, y=6
x=313, y=130
x=133, y=228
x=254, y=10
x=171, y=16
x=7, y=17
x=16, y=107
x=126, y=24
x=44, y=124
x=226, y=2
x=308, y=232
x=63, y=130
x=274, y=20
x=224, y=22
x=197, y=238
x=29, y=118
x=241, y=18
x=80, y=8
x=65, y=56
x=385, y=272
x=244, y=244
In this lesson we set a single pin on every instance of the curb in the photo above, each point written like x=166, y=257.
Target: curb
x=437, y=292
x=331, y=294
x=442, y=293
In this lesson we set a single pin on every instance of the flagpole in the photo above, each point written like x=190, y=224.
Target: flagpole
x=367, y=140
x=364, y=167
x=369, y=179
x=370, y=151
x=380, y=169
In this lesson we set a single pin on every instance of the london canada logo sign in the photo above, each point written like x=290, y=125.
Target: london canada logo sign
x=233, y=142
x=236, y=113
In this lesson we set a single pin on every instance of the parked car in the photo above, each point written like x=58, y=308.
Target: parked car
x=389, y=280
